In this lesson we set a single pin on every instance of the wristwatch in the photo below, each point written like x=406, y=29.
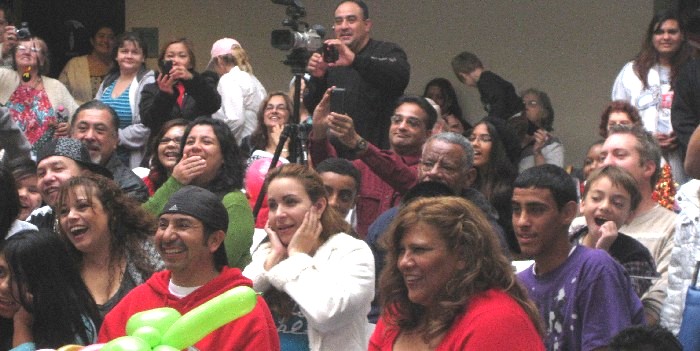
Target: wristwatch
x=361, y=146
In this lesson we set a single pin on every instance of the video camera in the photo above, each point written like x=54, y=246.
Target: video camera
x=308, y=38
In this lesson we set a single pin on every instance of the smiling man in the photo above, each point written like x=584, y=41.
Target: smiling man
x=96, y=124
x=189, y=238
x=386, y=174
x=373, y=73
x=57, y=162
x=584, y=295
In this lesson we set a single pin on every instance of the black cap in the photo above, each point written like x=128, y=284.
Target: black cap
x=199, y=203
x=75, y=150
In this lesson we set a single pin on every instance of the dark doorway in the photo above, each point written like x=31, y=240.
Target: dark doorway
x=66, y=25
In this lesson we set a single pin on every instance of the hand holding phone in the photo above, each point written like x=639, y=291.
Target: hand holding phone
x=338, y=100
x=166, y=67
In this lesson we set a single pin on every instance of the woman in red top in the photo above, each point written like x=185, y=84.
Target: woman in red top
x=451, y=287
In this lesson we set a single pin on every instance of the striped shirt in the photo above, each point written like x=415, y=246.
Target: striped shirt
x=119, y=104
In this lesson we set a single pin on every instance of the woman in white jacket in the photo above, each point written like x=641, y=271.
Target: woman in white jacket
x=241, y=93
x=317, y=280
x=121, y=90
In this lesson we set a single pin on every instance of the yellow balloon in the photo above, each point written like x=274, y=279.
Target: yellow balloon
x=70, y=348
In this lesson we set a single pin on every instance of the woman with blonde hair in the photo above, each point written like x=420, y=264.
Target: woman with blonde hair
x=448, y=286
x=241, y=93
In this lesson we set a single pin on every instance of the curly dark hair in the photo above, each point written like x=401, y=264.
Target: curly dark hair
x=469, y=236
x=129, y=224
x=231, y=173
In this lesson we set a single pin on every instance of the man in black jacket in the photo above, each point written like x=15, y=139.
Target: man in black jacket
x=373, y=73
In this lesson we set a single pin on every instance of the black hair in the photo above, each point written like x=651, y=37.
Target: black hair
x=98, y=105
x=645, y=338
x=119, y=42
x=451, y=102
x=220, y=257
x=60, y=302
x=340, y=166
x=423, y=104
x=232, y=170
x=426, y=189
x=361, y=4
x=551, y=177
x=9, y=206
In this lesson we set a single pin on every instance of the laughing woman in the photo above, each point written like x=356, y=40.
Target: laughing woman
x=447, y=285
x=110, y=237
x=42, y=294
x=211, y=159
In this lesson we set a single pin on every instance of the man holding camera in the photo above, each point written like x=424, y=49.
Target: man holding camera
x=373, y=73
x=8, y=37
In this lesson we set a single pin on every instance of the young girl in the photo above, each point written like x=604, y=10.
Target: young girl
x=609, y=198
x=39, y=280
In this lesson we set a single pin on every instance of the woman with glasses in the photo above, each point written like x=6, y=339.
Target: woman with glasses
x=494, y=172
x=165, y=148
x=274, y=113
x=40, y=105
x=539, y=146
x=647, y=83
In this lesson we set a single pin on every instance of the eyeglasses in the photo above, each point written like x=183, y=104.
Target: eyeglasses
x=531, y=103
x=165, y=141
x=273, y=107
x=22, y=48
x=484, y=138
x=414, y=122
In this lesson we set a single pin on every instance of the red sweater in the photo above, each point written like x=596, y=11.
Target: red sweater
x=492, y=321
x=254, y=331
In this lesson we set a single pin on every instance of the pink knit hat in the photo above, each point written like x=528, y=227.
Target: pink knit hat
x=223, y=46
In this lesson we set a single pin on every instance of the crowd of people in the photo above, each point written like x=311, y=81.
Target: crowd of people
x=388, y=223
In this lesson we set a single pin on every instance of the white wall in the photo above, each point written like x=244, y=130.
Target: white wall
x=570, y=49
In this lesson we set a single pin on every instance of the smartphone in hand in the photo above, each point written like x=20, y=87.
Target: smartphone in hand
x=338, y=100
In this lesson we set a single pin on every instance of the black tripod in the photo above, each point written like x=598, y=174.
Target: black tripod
x=296, y=133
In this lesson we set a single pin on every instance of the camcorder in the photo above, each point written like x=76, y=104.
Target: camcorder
x=301, y=35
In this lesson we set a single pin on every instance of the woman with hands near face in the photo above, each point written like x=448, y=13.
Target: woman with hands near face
x=316, y=277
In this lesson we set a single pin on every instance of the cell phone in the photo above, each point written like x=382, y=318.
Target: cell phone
x=166, y=66
x=338, y=100
x=330, y=53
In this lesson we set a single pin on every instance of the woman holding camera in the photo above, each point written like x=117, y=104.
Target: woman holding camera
x=40, y=105
x=539, y=146
x=241, y=93
x=178, y=91
x=121, y=90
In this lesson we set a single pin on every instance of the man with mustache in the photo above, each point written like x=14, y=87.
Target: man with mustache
x=190, y=240
x=386, y=174
x=373, y=73
x=97, y=126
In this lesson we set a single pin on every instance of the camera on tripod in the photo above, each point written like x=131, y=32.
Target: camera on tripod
x=307, y=38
